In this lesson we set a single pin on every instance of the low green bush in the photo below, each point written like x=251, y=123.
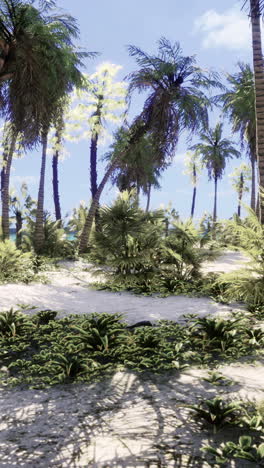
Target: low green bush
x=15, y=265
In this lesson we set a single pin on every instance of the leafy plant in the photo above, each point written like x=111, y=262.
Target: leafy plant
x=13, y=323
x=216, y=378
x=45, y=316
x=216, y=412
x=15, y=265
x=245, y=450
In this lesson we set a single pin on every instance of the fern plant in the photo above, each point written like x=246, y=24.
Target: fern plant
x=15, y=265
x=247, y=284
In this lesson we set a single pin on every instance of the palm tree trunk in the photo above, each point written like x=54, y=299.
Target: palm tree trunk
x=259, y=88
x=253, y=182
x=39, y=237
x=240, y=194
x=93, y=163
x=55, y=179
x=5, y=188
x=215, y=200
x=148, y=197
x=194, y=178
x=19, y=225
x=85, y=235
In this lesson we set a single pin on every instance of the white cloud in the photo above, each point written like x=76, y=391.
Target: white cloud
x=230, y=29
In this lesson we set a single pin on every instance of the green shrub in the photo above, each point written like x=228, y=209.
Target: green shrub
x=15, y=265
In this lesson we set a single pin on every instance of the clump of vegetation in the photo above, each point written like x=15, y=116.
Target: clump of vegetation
x=14, y=264
x=144, y=254
x=41, y=350
x=216, y=412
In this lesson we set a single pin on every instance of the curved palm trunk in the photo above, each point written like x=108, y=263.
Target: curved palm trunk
x=194, y=190
x=259, y=88
x=39, y=237
x=148, y=197
x=85, y=236
x=5, y=188
x=215, y=200
x=55, y=178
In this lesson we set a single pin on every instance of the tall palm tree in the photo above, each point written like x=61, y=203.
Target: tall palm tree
x=193, y=169
x=140, y=169
x=176, y=101
x=215, y=151
x=239, y=104
x=9, y=147
x=240, y=178
x=38, y=54
x=256, y=8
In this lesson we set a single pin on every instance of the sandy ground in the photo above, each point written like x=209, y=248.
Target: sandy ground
x=69, y=293
x=127, y=421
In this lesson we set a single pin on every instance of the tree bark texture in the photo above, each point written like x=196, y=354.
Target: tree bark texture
x=39, y=237
x=148, y=197
x=253, y=183
x=85, y=235
x=19, y=225
x=55, y=179
x=215, y=200
x=5, y=188
x=258, y=66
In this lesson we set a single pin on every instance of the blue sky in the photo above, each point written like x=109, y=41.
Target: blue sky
x=218, y=33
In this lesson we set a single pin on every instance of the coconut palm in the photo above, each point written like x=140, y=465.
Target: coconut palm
x=140, y=169
x=193, y=169
x=215, y=151
x=240, y=178
x=176, y=100
x=239, y=104
x=11, y=145
x=256, y=8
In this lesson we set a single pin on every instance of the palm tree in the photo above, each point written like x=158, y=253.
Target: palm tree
x=140, y=169
x=239, y=104
x=214, y=151
x=175, y=101
x=38, y=54
x=256, y=8
x=101, y=102
x=10, y=140
x=240, y=178
x=193, y=169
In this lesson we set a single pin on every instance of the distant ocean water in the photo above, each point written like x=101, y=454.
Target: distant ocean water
x=70, y=236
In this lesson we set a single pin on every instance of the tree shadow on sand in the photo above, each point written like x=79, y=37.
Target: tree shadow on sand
x=130, y=420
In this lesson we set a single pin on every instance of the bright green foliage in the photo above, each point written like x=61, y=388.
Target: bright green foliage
x=142, y=255
x=216, y=412
x=247, y=284
x=13, y=323
x=77, y=220
x=40, y=351
x=128, y=238
x=245, y=449
x=15, y=265
x=56, y=243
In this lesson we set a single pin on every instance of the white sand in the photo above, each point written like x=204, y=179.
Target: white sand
x=129, y=420
x=69, y=293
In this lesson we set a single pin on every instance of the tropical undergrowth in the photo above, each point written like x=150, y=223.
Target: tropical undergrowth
x=17, y=266
x=247, y=284
x=145, y=255
x=41, y=350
